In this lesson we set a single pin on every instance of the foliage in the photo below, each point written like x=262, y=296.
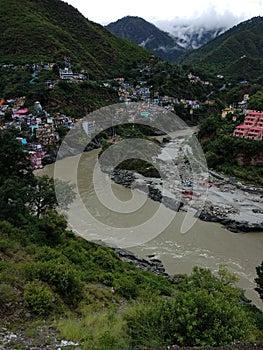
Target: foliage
x=73, y=99
x=47, y=194
x=22, y=194
x=137, y=158
x=259, y=280
x=205, y=311
x=7, y=296
x=96, y=331
x=256, y=101
x=14, y=82
x=51, y=227
x=237, y=53
x=140, y=166
x=17, y=165
x=61, y=277
x=49, y=30
x=39, y=299
x=79, y=99
x=15, y=177
x=43, y=196
x=256, y=316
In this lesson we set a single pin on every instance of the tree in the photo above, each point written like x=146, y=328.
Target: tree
x=256, y=101
x=13, y=199
x=51, y=227
x=43, y=196
x=14, y=162
x=21, y=193
x=46, y=194
x=259, y=280
x=16, y=175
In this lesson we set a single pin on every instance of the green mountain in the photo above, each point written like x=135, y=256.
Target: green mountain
x=237, y=53
x=48, y=30
x=147, y=35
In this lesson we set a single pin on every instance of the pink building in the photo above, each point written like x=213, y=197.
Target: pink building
x=250, y=120
x=260, y=122
x=252, y=127
x=255, y=133
x=252, y=113
x=36, y=159
x=241, y=130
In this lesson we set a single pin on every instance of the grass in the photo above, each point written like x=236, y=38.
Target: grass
x=96, y=331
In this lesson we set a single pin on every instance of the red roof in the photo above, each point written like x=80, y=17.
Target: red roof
x=21, y=111
x=257, y=128
x=243, y=126
x=255, y=113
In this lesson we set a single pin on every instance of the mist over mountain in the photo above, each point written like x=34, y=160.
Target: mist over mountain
x=170, y=40
x=194, y=32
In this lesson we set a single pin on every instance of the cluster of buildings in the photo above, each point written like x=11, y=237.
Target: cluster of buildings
x=39, y=128
x=196, y=79
x=141, y=92
x=129, y=93
x=252, y=128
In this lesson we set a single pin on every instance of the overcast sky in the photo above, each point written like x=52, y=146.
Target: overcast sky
x=232, y=11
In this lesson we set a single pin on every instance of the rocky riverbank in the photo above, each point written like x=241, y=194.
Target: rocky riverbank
x=230, y=224
x=235, y=206
x=152, y=264
x=226, y=211
x=150, y=186
x=215, y=198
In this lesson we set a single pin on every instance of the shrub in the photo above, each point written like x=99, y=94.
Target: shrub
x=104, y=258
x=4, y=245
x=39, y=298
x=62, y=278
x=259, y=280
x=205, y=311
x=126, y=287
x=7, y=295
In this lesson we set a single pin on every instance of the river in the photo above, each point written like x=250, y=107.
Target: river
x=154, y=229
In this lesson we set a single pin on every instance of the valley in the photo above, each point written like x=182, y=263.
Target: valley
x=131, y=176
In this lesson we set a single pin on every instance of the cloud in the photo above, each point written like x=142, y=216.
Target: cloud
x=209, y=19
x=193, y=32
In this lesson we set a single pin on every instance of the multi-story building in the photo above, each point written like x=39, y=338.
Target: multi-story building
x=252, y=128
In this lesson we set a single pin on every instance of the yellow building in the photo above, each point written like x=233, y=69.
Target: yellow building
x=228, y=110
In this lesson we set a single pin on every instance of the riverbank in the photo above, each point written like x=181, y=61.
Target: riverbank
x=215, y=197
x=207, y=244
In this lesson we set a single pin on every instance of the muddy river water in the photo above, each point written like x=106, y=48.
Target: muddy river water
x=147, y=228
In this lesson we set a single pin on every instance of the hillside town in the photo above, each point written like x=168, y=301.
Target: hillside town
x=39, y=128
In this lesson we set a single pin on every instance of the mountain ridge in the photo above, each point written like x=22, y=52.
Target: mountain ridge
x=169, y=46
x=49, y=30
x=147, y=35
